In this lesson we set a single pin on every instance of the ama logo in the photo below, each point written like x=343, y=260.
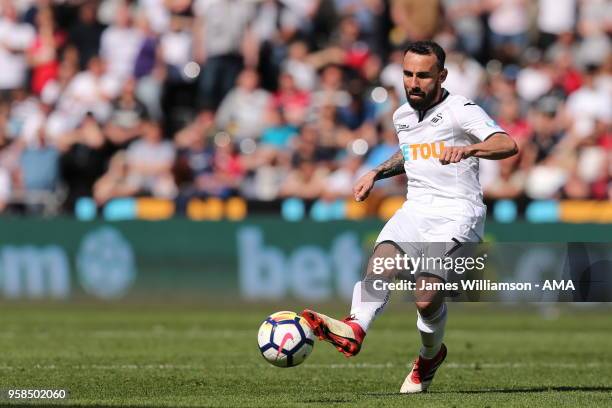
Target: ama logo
x=425, y=151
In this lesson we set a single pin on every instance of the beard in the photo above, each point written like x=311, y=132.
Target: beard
x=422, y=103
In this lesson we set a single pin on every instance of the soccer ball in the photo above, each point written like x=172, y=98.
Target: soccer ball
x=285, y=339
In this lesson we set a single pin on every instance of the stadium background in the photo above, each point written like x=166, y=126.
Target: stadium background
x=164, y=163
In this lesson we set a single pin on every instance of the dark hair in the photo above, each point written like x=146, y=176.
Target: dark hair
x=427, y=48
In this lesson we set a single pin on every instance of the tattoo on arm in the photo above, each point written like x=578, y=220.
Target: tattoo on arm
x=392, y=167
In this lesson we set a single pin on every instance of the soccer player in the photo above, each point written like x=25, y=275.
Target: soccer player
x=442, y=137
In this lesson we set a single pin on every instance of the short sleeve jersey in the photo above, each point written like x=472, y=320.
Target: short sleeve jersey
x=454, y=121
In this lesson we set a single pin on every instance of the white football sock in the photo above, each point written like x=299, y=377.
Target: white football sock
x=432, y=332
x=366, y=305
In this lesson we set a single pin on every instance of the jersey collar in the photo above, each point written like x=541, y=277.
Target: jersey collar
x=422, y=113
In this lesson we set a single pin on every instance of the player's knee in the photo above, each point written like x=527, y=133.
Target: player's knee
x=381, y=262
x=423, y=306
x=429, y=308
x=386, y=249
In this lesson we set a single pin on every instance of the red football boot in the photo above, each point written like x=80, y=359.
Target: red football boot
x=346, y=335
x=422, y=373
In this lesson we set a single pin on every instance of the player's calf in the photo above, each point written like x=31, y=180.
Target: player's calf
x=347, y=335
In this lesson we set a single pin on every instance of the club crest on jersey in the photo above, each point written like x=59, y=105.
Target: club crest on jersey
x=436, y=120
x=424, y=151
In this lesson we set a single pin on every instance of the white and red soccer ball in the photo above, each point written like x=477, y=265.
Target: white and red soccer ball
x=285, y=339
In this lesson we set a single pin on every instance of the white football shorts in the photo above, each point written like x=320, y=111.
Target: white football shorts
x=433, y=226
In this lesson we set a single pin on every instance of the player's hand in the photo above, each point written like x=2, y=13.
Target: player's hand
x=362, y=187
x=455, y=154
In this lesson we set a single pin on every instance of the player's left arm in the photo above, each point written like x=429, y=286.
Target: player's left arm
x=496, y=147
x=492, y=141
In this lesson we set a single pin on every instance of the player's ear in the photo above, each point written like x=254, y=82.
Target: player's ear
x=443, y=75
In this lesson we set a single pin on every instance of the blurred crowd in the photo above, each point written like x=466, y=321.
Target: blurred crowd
x=267, y=99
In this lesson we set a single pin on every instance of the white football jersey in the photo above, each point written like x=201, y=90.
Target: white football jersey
x=454, y=121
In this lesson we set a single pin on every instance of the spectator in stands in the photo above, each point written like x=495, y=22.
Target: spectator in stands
x=115, y=182
x=223, y=44
x=15, y=39
x=299, y=66
x=147, y=57
x=8, y=163
x=385, y=148
x=359, y=114
x=86, y=32
x=149, y=71
x=508, y=21
x=24, y=117
x=88, y=91
x=84, y=158
x=194, y=165
x=366, y=13
x=307, y=146
x=589, y=105
x=535, y=79
x=329, y=92
x=391, y=74
x=332, y=136
x=511, y=119
x=306, y=180
x=54, y=88
x=276, y=140
x=242, y=111
x=464, y=16
x=275, y=24
x=414, y=20
x=228, y=170
x=43, y=53
x=547, y=132
x=293, y=101
x=354, y=52
x=339, y=183
x=125, y=121
x=566, y=77
x=465, y=75
x=120, y=44
x=202, y=125
x=555, y=17
x=149, y=161
x=594, y=29
x=176, y=46
x=548, y=171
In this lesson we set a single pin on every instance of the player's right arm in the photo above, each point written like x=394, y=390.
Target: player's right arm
x=392, y=167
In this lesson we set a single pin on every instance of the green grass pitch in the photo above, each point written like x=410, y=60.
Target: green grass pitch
x=158, y=356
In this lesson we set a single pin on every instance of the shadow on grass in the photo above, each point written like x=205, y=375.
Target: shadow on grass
x=508, y=390
x=328, y=400
x=535, y=389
